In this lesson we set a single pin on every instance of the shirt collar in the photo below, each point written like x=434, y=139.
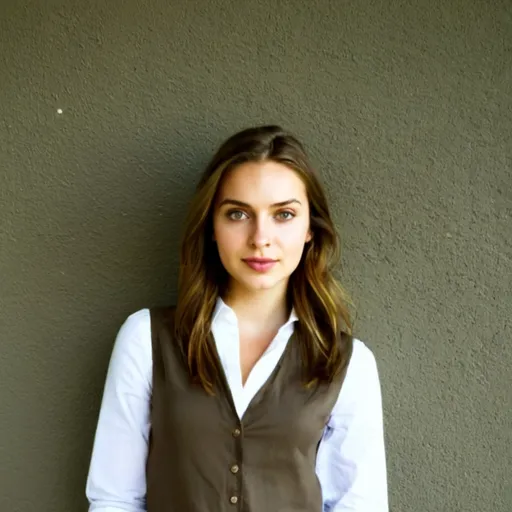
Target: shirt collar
x=222, y=312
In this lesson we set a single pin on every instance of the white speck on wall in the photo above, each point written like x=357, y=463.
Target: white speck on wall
x=59, y=111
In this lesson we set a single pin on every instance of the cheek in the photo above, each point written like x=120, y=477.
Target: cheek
x=294, y=238
x=228, y=240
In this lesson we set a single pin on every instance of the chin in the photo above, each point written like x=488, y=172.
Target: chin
x=261, y=283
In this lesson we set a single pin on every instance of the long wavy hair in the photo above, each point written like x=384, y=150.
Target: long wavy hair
x=320, y=303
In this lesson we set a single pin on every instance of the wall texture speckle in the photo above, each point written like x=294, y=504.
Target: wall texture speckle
x=108, y=112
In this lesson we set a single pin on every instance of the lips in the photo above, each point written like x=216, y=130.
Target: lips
x=260, y=260
x=260, y=264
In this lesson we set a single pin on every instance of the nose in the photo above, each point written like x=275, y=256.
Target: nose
x=260, y=235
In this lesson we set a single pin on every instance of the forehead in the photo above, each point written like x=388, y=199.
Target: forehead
x=262, y=182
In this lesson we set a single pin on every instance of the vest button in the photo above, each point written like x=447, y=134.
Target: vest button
x=236, y=432
x=233, y=500
x=235, y=468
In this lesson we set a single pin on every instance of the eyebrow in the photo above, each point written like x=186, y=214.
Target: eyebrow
x=246, y=205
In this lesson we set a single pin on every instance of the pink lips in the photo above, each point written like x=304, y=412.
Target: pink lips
x=260, y=264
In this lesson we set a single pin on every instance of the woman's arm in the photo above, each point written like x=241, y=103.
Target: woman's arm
x=117, y=479
x=351, y=464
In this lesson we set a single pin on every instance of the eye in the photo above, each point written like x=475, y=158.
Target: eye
x=236, y=214
x=286, y=215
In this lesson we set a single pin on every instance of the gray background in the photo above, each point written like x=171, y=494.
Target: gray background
x=406, y=108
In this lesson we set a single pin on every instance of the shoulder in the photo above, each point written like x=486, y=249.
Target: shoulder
x=132, y=348
x=135, y=330
x=361, y=361
x=138, y=321
x=361, y=384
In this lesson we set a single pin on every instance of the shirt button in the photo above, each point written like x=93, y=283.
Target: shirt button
x=236, y=432
x=234, y=469
x=233, y=500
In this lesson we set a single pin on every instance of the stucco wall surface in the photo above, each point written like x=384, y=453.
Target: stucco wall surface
x=109, y=110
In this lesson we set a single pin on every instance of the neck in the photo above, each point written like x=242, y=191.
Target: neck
x=267, y=307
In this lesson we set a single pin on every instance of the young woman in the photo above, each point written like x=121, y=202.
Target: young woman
x=250, y=395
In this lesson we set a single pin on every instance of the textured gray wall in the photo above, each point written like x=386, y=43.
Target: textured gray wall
x=408, y=113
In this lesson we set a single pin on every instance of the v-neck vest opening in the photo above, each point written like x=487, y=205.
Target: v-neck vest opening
x=202, y=457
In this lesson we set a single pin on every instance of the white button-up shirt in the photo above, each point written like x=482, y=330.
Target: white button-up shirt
x=350, y=465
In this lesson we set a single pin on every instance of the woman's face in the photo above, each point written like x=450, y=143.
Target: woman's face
x=260, y=225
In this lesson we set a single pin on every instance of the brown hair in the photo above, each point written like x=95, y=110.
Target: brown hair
x=318, y=299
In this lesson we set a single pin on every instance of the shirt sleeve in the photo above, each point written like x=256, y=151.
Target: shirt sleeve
x=351, y=463
x=117, y=481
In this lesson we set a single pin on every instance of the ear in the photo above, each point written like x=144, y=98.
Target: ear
x=309, y=236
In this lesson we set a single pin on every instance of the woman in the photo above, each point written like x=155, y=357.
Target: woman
x=250, y=394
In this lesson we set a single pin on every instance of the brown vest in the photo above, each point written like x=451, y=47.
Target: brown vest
x=202, y=458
